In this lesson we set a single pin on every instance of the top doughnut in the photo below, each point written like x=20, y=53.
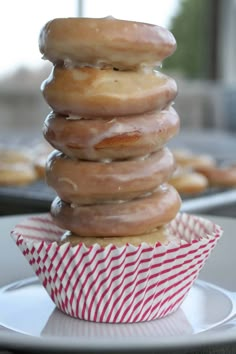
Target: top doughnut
x=105, y=42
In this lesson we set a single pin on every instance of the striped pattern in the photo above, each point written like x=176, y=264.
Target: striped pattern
x=126, y=284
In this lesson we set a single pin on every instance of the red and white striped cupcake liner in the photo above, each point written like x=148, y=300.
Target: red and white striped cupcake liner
x=117, y=284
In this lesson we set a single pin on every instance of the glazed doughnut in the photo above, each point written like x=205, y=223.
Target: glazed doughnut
x=161, y=235
x=115, y=138
x=189, y=182
x=40, y=157
x=93, y=92
x=185, y=158
x=220, y=176
x=16, y=174
x=16, y=167
x=11, y=156
x=39, y=166
x=86, y=182
x=134, y=217
x=105, y=42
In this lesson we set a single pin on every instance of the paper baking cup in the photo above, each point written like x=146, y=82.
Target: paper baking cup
x=117, y=284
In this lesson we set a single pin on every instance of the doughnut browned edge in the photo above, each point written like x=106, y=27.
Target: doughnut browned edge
x=92, y=92
x=160, y=235
x=105, y=41
x=16, y=167
x=17, y=174
x=115, y=138
x=88, y=182
x=134, y=217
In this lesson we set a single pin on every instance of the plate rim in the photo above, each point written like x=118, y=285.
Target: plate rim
x=23, y=341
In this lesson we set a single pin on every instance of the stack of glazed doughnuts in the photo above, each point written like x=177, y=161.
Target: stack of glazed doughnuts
x=111, y=119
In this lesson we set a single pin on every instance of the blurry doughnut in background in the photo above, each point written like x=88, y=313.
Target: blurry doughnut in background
x=39, y=166
x=15, y=156
x=186, y=158
x=199, y=167
x=219, y=176
x=188, y=182
x=41, y=152
x=16, y=168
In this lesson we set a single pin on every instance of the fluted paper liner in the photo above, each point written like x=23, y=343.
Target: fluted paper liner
x=117, y=284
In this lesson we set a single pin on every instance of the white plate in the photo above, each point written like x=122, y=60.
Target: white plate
x=29, y=319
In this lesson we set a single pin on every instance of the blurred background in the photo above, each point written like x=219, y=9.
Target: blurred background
x=204, y=65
